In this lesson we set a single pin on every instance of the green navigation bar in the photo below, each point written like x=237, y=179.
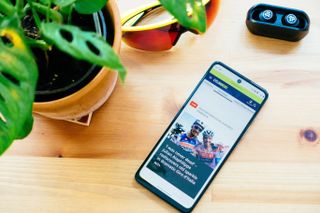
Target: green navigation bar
x=237, y=86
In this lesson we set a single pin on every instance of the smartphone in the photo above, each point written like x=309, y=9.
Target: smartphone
x=201, y=136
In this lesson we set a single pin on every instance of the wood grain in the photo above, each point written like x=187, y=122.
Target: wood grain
x=62, y=167
x=39, y=184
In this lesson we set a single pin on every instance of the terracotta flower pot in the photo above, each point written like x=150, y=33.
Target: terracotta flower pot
x=95, y=93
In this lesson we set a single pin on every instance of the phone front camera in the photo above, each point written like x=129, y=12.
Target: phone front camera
x=239, y=81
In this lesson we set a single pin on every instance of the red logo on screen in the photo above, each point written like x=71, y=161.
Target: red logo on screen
x=193, y=104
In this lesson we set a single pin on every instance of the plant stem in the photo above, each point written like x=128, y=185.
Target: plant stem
x=19, y=4
x=6, y=8
x=19, y=8
x=38, y=43
x=47, y=13
x=35, y=14
x=69, y=9
x=45, y=10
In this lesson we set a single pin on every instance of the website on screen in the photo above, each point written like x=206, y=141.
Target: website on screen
x=205, y=131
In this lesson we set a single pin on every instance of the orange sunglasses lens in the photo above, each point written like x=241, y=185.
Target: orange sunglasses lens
x=154, y=39
x=164, y=37
x=158, y=39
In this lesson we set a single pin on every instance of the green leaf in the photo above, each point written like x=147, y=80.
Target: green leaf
x=83, y=45
x=89, y=6
x=63, y=3
x=45, y=2
x=6, y=8
x=18, y=76
x=189, y=13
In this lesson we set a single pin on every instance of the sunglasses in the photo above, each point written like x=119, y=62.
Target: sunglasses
x=152, y=28
x=196, y=127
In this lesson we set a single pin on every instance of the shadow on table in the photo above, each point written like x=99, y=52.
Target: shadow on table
x=271, y=45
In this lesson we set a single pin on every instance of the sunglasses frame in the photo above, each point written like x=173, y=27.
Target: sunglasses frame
x=146, y=8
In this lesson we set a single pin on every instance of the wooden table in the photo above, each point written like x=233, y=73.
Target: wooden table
x=62, y=167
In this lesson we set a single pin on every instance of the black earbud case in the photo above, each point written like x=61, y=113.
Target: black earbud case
x=278, y=22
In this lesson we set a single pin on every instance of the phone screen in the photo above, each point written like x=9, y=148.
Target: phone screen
x=202, y=135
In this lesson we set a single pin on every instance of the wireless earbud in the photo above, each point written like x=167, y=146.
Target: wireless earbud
x=267, y=16
x=290, y=20
x=278, y=22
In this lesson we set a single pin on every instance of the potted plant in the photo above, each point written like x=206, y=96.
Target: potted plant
x=30, y=30
x=43, y=33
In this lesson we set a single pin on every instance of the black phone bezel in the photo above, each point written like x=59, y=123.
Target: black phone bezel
x=162, y=195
